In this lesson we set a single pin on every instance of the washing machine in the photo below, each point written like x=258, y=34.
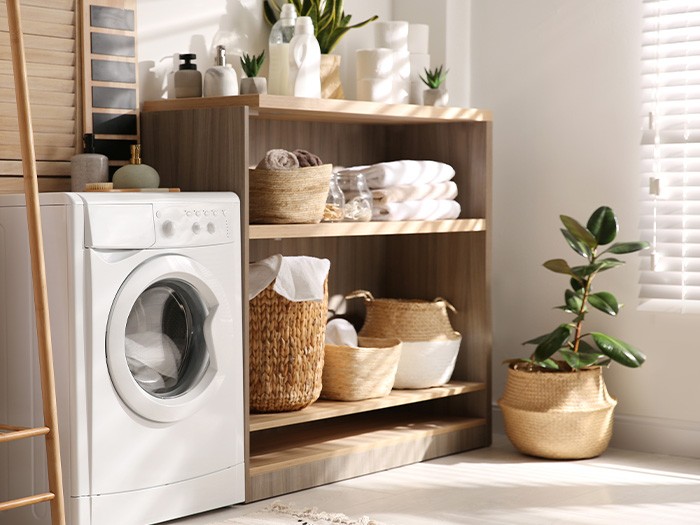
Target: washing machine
x=145, y=307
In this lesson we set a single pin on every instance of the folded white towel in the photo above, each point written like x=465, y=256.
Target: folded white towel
x=405, y=172
x=426, y=210
x=415, y=192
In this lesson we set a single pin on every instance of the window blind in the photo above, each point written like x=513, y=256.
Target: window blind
x=670, y=211
x=50, y=45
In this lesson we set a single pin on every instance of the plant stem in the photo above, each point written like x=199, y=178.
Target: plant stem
x=582, y=312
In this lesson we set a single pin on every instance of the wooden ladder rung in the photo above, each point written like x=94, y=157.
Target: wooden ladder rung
x=23, y=502
x=10, y=433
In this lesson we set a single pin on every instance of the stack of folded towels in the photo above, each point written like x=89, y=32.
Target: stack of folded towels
x=411, y=190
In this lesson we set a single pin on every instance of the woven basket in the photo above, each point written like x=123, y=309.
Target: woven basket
x=407, y=319
x=352, y=374
x=289, y=196
x=558, y=415
x=286, y=351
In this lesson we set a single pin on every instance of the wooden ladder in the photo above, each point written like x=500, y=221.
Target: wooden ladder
x=41, y=304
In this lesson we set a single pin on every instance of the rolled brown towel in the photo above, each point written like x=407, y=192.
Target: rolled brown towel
x=279, y=159
x=306, y=158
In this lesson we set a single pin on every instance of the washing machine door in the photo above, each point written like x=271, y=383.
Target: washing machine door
x=166, y=328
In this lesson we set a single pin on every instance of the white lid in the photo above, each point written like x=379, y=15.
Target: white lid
x=288, y=11
x=304, y=26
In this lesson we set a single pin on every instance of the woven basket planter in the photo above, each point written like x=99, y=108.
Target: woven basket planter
x=352, y=374
x=558, y=415
x=407, y=319
x=286, y=351
x=289, y=196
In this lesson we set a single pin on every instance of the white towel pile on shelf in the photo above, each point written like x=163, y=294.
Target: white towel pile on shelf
x=411, y=190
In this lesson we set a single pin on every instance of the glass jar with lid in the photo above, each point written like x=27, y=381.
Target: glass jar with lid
x=358, y=198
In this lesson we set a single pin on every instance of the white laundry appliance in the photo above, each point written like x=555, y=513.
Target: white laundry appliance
x=145, y=306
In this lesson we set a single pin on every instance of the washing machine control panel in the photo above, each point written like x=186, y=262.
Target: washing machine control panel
x=195, y=224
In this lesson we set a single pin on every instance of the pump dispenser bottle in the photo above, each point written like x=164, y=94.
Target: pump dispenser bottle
x=188, y=81
x=281, y=35
x=88, y=167
x=305, y=60
x=220, y=80
x=135, y=174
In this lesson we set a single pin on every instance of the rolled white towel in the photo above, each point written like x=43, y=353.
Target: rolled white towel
x=426, y=210
x=414, y=192
x=341, y=332
x=398, y=172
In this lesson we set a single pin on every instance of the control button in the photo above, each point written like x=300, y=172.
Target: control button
x=211, y=228
x=189, y=213
x=214, y=213
x=168, y=228
x=159, y=214
x=223, y=212
x=196, y=227
x=206, y=213
x=198, y=213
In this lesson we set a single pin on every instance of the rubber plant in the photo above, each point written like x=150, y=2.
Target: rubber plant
x=569, y=340
x=328, y=16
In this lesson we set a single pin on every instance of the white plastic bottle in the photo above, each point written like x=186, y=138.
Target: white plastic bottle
x=305, y=60
x=220, y=80
x=280, y=37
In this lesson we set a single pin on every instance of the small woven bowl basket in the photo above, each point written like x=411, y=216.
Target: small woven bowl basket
x=289, y=196
x=286, y=351
x=352, y=374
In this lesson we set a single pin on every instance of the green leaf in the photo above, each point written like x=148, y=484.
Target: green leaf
x=576, y=284
x=536, y=340
x=573, y=301
x=607, y=264
x=271, y=14
x=553, y=342
x=628, y=247
x=559, y=266
x=578, y=360
x=579, y=232
x=605, y=302
x=603, y=225
x=578, y=246
x=550, y=364
x=618, y=351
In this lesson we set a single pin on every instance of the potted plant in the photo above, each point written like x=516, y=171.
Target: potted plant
x=435, y=95
x=330, y=25
x=253, y=84
x=555, y=403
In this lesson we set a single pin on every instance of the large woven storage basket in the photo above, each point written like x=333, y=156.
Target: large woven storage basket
x=407, y=319
x=558, y=415
x=352, y=374
x=289, y=196
x=286, y=351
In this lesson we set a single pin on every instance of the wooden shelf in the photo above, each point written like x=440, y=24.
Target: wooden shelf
x=347, y=229
x=343, y=449
x=323, y=110
x=324, y=409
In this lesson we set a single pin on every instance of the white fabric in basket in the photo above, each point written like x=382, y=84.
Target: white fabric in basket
x=296, y=278
x=341, y=332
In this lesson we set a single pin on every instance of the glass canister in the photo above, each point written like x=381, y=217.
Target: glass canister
x=335, y=202
x=358, y=198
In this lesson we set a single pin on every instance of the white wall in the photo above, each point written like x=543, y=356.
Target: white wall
x=562, y=78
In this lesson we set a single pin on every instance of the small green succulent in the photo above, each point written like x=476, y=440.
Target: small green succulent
x=435, y=77
x=251, y=64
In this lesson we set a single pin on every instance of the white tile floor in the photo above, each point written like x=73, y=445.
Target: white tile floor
x=498, y=486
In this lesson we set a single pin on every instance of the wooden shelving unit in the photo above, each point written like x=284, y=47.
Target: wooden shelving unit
x=208, y=145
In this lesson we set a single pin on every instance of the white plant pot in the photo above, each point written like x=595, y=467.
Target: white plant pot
x=253, y=86
x=436, y=97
